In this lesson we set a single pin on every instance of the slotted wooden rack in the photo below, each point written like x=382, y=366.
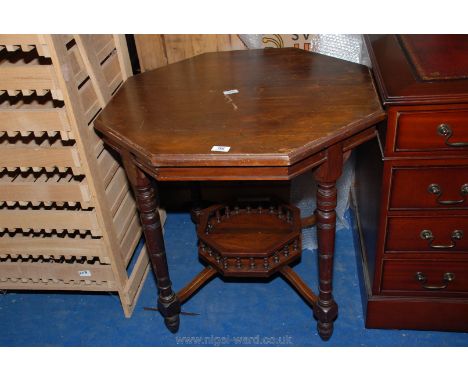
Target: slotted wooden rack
x=68, y=220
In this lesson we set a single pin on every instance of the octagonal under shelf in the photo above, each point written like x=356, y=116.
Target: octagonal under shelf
x=249, y=240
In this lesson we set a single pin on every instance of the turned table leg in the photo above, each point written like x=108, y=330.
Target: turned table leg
x=326, y=309
x=145, y=195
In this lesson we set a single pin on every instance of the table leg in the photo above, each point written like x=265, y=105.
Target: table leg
x=326, y=309
x=145, y=195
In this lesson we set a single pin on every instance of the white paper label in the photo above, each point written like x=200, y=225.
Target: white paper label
x=222, y=149
x=84, y=273
x=232, y=91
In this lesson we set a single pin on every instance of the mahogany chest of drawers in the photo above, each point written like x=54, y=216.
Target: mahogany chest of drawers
x=411, y=190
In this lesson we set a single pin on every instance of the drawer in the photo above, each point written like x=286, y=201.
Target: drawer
x=427, y=276
x=427, y=234
x=434, y=187
x=435, y=131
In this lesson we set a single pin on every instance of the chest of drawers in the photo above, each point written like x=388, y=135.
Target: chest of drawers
x=411, y=191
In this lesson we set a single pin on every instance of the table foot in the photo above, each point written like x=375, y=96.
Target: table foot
x=172, y=323
x=325, y=315
x=325, y=330
x=170, y=310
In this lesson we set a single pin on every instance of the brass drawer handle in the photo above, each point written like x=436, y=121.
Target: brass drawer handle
x=435, y=189
x=446, y=279
x=427, y=235
x=445, y=130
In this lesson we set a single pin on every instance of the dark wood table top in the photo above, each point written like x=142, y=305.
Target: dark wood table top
x=290, y=104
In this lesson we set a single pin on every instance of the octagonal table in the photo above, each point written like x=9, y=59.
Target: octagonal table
x=242, y=115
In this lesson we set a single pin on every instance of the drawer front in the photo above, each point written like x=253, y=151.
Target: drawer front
x=432, y=277
x=435, y=187
x=427, y=234
x=441, y=131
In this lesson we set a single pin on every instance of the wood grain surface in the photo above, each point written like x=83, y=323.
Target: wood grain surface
x=290, y=104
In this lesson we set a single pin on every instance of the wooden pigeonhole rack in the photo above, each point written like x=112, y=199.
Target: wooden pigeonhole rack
x=68, y=220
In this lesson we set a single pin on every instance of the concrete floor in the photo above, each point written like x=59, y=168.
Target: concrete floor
x=230, y=313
